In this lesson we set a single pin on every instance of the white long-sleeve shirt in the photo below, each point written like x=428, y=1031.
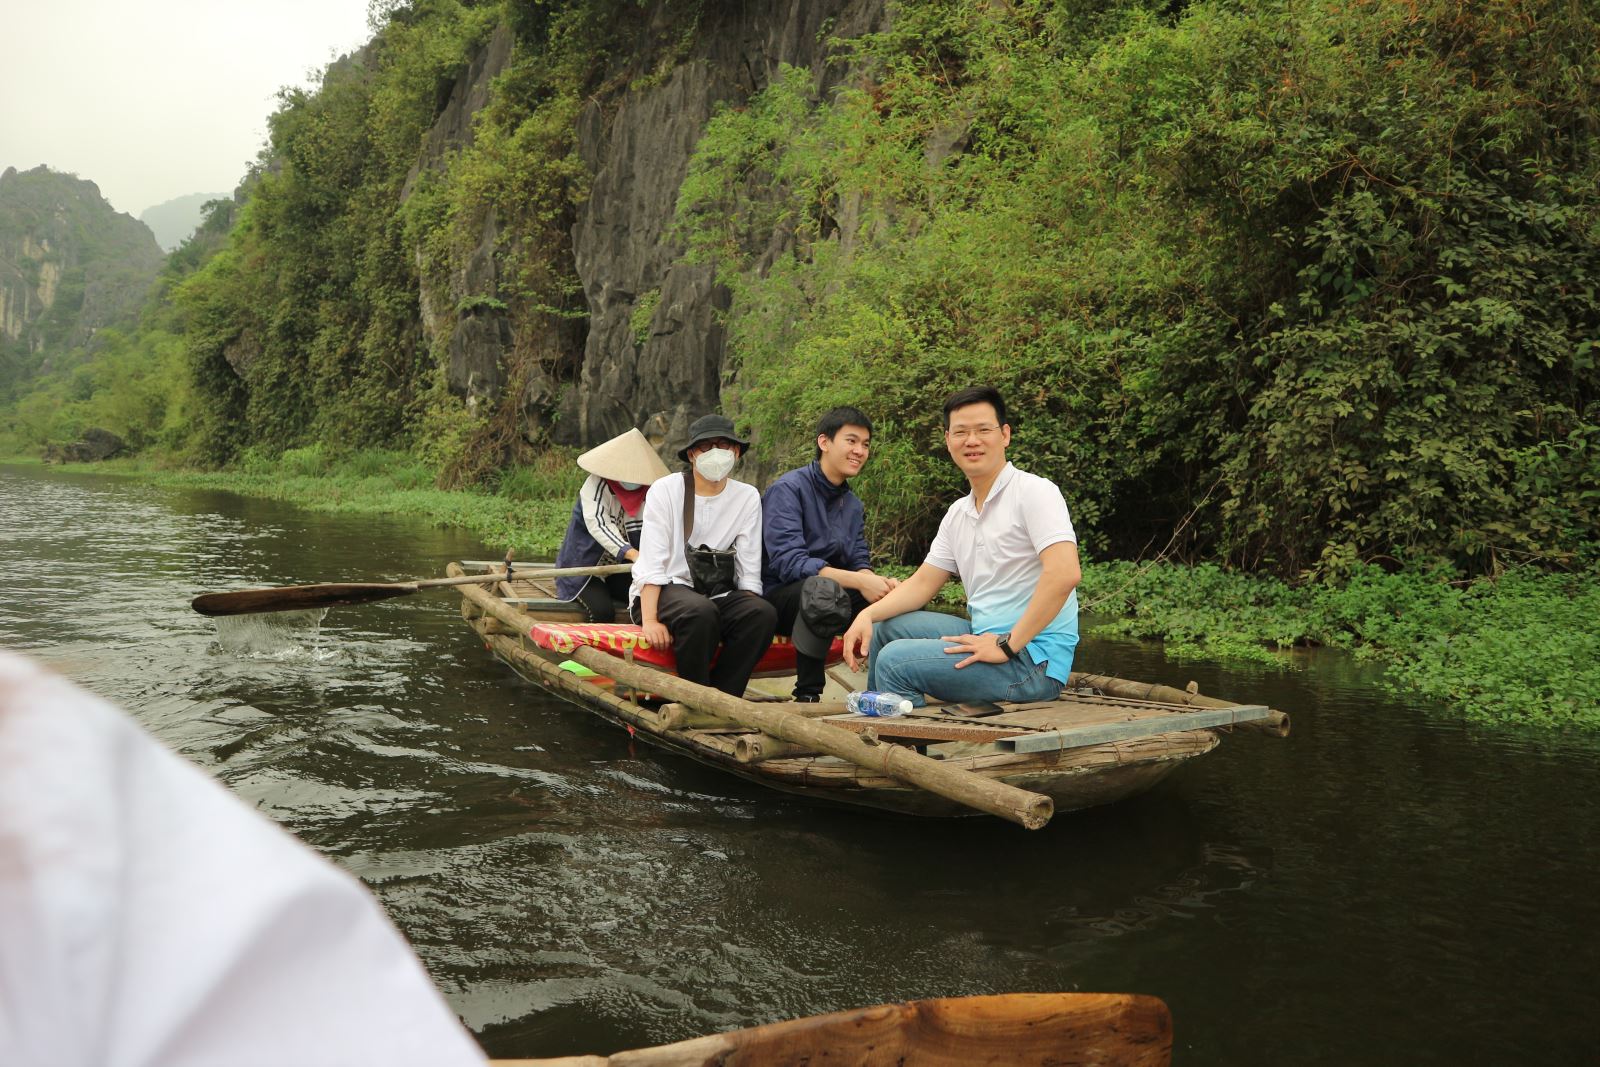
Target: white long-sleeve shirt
x=731, y=519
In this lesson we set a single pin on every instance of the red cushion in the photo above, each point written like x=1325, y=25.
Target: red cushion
x=617, y=637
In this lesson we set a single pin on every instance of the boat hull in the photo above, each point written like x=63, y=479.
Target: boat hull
x=1073, y=778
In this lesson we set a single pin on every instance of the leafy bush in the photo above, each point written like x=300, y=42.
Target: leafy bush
x=1314, y=283
x=1519, y=649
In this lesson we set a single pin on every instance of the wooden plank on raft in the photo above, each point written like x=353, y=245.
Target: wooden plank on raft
x=1276, y=723
x=926, y=728
x=1152, y=726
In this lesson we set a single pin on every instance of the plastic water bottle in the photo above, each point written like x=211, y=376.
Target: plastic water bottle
x=878, y=705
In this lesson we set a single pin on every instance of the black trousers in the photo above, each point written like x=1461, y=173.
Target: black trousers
x=741, y=622
x=809, y=678
x=601, y=597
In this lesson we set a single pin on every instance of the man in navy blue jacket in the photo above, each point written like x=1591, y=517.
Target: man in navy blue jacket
x=816, y=571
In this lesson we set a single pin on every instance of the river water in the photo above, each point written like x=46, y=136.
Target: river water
x=1387, y=885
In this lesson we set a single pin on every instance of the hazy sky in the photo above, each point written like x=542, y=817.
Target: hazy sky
x=153, y=99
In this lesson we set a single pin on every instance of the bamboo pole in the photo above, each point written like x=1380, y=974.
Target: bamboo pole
x=759, y=748
x=1026, y=809
x=1276, y=723
x=558, y=679
x=480, y=622
x=1030, y=810
x=687, y=717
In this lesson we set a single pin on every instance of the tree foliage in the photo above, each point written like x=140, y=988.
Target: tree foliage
x=1313, y=282
x=1310, y=282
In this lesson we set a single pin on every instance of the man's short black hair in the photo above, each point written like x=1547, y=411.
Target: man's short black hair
x=837, y=419
x=978, y=394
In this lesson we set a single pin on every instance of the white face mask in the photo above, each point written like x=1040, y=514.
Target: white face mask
x=714, y=464
x=630, y=486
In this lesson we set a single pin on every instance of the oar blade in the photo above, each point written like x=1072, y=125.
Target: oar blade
x=1111, y=1029
x=297, y=597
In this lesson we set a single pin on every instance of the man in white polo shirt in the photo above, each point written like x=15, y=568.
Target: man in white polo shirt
x=1011, y=543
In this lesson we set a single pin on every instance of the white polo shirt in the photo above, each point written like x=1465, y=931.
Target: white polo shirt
x=995, y=553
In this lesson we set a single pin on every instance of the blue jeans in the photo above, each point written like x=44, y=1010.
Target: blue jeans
x=908, y=657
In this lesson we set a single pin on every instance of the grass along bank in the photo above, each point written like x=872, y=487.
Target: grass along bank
x=526, y=512
x=1522, y=648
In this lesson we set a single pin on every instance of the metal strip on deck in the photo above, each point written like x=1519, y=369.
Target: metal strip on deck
x=1101, y=733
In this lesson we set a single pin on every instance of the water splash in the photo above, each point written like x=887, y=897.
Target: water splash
x=282, y=636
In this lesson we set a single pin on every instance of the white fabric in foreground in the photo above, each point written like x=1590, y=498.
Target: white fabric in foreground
x=150, y=917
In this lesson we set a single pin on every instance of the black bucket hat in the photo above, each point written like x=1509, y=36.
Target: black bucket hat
x=710, y=427
x=824, y=614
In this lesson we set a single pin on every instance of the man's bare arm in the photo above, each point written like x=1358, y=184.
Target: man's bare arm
x=1057, y=580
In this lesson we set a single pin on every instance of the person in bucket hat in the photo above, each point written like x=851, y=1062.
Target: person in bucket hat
x=697, y=581
x=715, y=428
x=606, y=521
x=817, y=572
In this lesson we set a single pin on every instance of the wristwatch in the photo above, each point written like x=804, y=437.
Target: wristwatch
x=1003, y=643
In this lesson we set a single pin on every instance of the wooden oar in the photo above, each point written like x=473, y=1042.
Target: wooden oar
x=306, y=597
x=1108, y=1029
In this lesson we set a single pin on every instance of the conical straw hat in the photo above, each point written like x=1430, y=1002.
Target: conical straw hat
x=626, y=458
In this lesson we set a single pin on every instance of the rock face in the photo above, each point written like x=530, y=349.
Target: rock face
x=626, y=257
x=652, y=353
x=69, y=264
x=467, y=313
x=96, y=445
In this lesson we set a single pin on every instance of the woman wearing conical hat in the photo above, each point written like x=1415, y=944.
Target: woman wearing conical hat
x=606, y=520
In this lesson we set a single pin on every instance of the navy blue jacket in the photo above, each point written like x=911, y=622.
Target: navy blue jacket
x=808, y=523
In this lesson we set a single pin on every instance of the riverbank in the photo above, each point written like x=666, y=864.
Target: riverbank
x=527, y=513
x=1521, y=649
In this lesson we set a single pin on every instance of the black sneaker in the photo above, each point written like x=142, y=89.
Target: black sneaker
x=809, y=698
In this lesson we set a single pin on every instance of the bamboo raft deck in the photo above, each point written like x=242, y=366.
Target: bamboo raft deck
x=1104, y=740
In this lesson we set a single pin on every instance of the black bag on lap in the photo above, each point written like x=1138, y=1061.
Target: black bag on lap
x=711, y=569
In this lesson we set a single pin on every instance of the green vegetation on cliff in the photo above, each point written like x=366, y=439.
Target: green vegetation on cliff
x=134, y=380
x=71, y=266
x=1312, y=283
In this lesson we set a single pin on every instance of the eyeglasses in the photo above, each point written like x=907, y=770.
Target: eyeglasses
x=963, y=433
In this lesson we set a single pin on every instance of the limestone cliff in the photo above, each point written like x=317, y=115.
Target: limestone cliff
x=70, y=264
x=639, y=154
x=635, y=143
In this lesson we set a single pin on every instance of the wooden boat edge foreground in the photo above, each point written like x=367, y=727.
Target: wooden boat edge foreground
x=1108, y=1029
x=1131, y=743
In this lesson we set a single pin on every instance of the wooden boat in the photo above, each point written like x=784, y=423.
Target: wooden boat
x=1016, y=1029
x=1105, y=739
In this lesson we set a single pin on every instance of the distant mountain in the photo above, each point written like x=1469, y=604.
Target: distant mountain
x=70, y=264
x=173, y=221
